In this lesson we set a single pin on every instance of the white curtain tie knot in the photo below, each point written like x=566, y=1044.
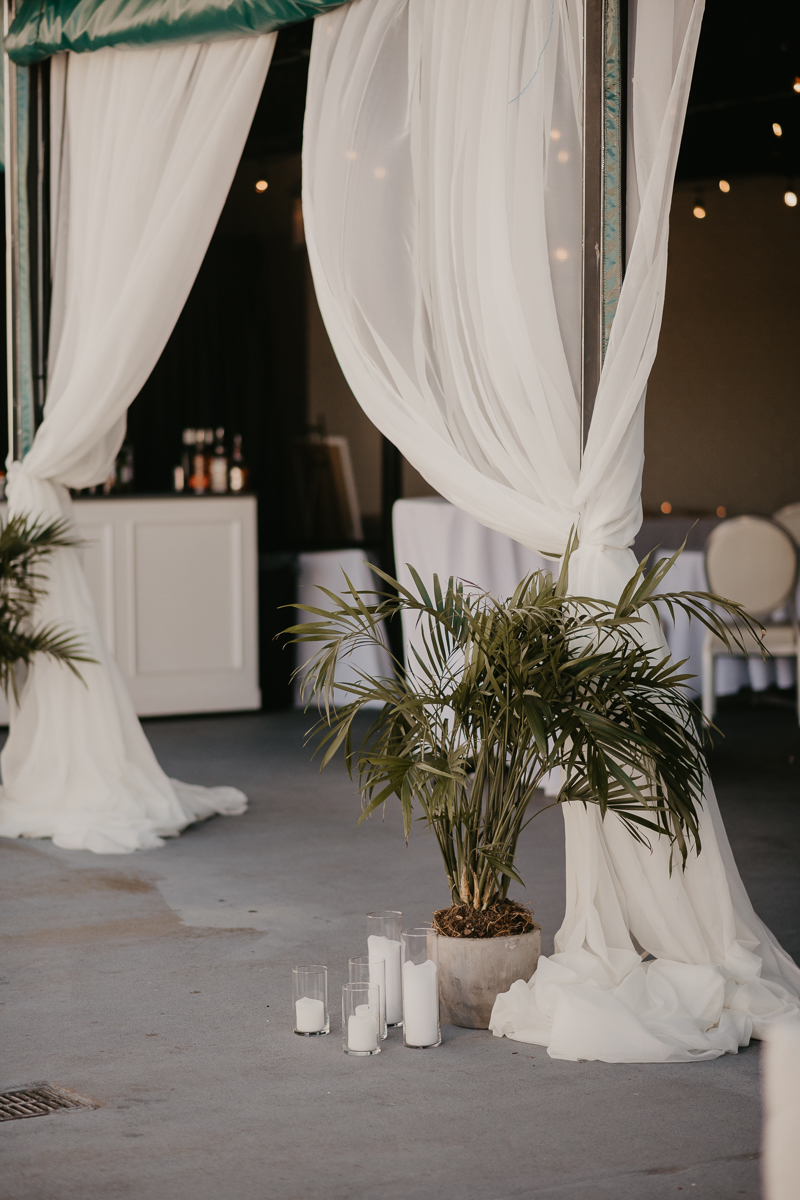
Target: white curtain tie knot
x=38, y=499
x=14, y=470
x=589, y=544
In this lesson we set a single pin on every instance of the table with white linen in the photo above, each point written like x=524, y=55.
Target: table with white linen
x=435, y=537
x=327, y=568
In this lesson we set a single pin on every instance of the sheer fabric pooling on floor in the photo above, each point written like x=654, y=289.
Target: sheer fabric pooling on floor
x=145, y=147
x=441, y=173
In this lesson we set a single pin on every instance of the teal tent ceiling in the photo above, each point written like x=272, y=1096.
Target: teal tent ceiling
x=44, y=27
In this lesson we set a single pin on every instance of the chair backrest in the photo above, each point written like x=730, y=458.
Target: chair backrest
x=789, y=518
x=753, y=561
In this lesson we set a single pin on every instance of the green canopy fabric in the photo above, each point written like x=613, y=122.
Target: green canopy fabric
x=44, y=27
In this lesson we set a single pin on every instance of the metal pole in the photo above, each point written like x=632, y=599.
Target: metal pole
x=592, y=233
x=13, y=315
x=604, y=155
x=39, y=205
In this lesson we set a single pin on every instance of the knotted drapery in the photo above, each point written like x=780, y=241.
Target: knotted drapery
x=145, y=147
x=442, y=204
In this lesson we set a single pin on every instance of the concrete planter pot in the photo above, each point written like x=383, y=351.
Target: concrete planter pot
x=472, y=971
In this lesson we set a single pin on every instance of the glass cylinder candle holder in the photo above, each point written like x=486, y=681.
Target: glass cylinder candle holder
x=361, y=1007
x=310, y=995
x=420, y=974
x=383, y=941
x=366, y=969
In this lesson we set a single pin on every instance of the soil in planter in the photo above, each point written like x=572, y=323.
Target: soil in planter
x=505, y=919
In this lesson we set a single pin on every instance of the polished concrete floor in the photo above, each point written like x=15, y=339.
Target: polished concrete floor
x=159, y=985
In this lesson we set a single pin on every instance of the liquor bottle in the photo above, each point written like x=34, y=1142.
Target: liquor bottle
x=239, y=471
x=198, y=481
x=209, y=438
x=125, y=472
x=218, y=466
x=189, y=439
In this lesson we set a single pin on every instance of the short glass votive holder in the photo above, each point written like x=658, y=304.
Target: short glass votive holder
x=383, y=941
x=361, y=1004
x=310, y=996
x=420, y=973
x=366, y=969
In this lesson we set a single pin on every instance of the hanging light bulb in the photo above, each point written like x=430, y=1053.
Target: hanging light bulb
x=724, y=186
x=699, y=211
x=722, y=511
x=776, y=129
x=261, y=185
x=790, y=199
x=796, y=84
x=666, y=507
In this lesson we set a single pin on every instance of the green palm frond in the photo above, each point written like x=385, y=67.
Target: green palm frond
x=24, y=547
x=503, y=692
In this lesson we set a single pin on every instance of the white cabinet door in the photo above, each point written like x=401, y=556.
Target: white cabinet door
x=174, y=582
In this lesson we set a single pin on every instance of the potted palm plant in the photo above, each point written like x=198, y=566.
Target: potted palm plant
x=501, y=694
x=23, y=548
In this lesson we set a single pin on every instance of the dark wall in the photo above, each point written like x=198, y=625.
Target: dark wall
x=215, y=369
x=747, y=61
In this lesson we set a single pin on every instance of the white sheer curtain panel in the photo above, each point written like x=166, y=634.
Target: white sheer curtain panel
x=145, y=147
x=442, y=196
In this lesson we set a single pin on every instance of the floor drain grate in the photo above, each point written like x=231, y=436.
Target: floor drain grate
x=38, y=1100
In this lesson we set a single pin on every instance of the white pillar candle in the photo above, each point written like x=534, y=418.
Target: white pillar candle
x=420, y=1003
x=309, y=1015
x=362, y=1030
x=389, y=951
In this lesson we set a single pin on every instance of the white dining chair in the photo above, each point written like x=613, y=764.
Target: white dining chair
x=789, y=518
x=752, y=560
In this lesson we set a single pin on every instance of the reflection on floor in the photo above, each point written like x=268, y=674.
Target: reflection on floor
x=159, y=984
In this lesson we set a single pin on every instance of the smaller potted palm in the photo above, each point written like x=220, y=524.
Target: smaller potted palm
x=501, y=694
x=24, y=546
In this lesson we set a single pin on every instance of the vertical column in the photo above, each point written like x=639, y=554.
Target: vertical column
x=13, y=331
x=593, y=111
x=38, y=196
x=604, y=120
x=615, y=42
x=21, y=412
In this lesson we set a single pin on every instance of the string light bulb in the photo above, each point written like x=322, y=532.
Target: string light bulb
x=776, y=129
x=796, y=84
x=261, y=185
x=698, y=211
x=790, y=199
x=666, y=507
x=724, y=186
x=722, y=511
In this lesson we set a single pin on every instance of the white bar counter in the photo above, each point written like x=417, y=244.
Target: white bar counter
x=174, y=581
